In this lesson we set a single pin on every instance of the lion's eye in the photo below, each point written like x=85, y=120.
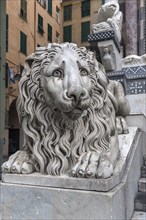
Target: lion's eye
x=83, y=72
x=58, y=73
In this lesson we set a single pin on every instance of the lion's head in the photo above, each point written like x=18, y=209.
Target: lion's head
x=63, y=106
x=66, y=82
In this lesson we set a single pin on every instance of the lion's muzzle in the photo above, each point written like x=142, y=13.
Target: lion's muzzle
x=76, y=93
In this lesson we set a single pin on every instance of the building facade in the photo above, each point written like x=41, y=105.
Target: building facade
x=77, y=19
x=28, y=24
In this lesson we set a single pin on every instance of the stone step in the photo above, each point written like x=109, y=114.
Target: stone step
x=143, y=171
x=139, y=215
x=142, y=185
x=140, y=202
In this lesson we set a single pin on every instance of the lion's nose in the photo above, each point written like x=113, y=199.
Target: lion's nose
x=76, y=93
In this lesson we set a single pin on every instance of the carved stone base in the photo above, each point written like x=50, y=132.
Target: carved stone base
x=44, y=197
x=114, y=54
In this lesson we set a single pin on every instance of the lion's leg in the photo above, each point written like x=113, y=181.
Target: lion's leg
x=108, y=160
x=20, y=162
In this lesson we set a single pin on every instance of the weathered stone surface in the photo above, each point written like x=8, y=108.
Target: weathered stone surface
x=137, y=104
x=142, y=185
x=139, y=216
x=21, y=201
x=133, y=60
x=137, y=115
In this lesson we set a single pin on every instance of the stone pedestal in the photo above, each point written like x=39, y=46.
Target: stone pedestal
x=107, y=40
x=114, y=53
x=38, y=196
x=137, y=115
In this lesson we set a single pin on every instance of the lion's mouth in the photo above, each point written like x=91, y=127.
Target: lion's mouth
x=75, y=113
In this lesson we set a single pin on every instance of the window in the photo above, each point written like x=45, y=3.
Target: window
x=67, y=12
x=67, y=33
x=7, y=34
x=50, y=7
x=40, y=24
x=23, y=9
x=43, y=3
x=49, y=33
x=85, y=8
x=85, y=30
x=57, y=14
x=57, y=37
x=23, y=43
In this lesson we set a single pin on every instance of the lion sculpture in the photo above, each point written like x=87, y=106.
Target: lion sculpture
x=109, y=18
x=67, y=114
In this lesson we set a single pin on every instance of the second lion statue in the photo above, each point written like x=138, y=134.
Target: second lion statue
x=67, y=114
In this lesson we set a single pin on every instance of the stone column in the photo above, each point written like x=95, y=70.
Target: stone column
x=131, y=27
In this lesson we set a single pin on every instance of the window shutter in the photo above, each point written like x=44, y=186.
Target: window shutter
x=50, y=7
x=67, y=12
x=23, y=43
x=49, y=33
x=85, y=8
x=85, y=31
x=67, y=33
x=40, y=24
x=23, y=11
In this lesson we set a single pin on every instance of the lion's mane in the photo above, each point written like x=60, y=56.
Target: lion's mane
x=54, y=141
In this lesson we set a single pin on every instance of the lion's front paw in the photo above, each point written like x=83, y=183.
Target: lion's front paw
x=20, y=162
x=93, y=165
x=105, y=168
x=86, y=166
x=121, y=125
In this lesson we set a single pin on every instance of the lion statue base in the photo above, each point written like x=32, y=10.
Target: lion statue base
x=68, y=115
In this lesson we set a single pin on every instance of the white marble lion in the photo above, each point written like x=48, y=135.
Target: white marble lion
x=68, y=115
